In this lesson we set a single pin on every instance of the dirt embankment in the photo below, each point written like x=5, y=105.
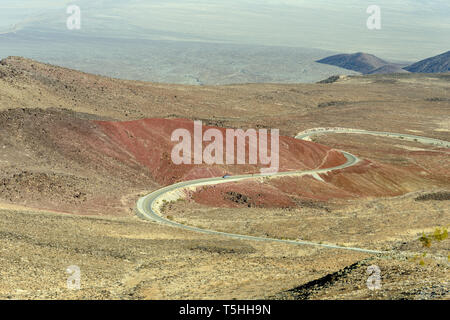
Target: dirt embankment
x=367, y=179
x=149, y=143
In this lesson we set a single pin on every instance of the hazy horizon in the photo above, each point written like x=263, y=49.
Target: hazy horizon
x=411, y=29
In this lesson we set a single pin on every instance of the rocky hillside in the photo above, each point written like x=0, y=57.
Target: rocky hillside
x=437, y=64
x=361, y=62
x=370, y=64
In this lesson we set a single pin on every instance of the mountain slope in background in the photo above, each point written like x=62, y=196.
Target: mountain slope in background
x=360, y=62
x=437, y=64
x=370, y=64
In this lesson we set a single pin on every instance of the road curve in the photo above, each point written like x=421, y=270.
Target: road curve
x=148, y=207
x=306, y=135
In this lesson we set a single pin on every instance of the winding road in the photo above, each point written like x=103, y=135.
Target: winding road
x=149, y=206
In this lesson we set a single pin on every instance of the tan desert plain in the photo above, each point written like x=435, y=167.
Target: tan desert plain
x=78, y=151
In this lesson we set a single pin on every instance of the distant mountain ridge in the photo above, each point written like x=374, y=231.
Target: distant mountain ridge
x=370, y=64
x=436, y=64
x=360, y=62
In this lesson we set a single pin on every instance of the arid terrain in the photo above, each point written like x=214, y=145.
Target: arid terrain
x=78, y=150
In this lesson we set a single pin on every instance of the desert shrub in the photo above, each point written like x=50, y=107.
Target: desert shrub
x=439, y=234
x=419, y=258
x=440, y=196
x=331, y=104
x=425, y=240
x=331, y=79
x=436, y=99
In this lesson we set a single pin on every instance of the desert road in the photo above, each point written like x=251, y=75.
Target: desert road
x=148, y=207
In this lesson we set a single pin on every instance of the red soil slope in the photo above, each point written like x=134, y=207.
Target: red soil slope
x=365, y=180
x=148, y=142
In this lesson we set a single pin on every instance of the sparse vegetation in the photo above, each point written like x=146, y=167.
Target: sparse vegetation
x=331, y=79
x=438, y=196
x=439, y=234
x=437, y=99
x=332, y=104
x=168, y=205
x=425, y=240
x=239, y=198
x=420, y=259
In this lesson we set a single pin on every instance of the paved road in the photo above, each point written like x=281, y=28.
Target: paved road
x=430, y=141
x=148, y=207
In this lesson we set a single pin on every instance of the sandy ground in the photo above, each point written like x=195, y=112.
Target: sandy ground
x=125, y=258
